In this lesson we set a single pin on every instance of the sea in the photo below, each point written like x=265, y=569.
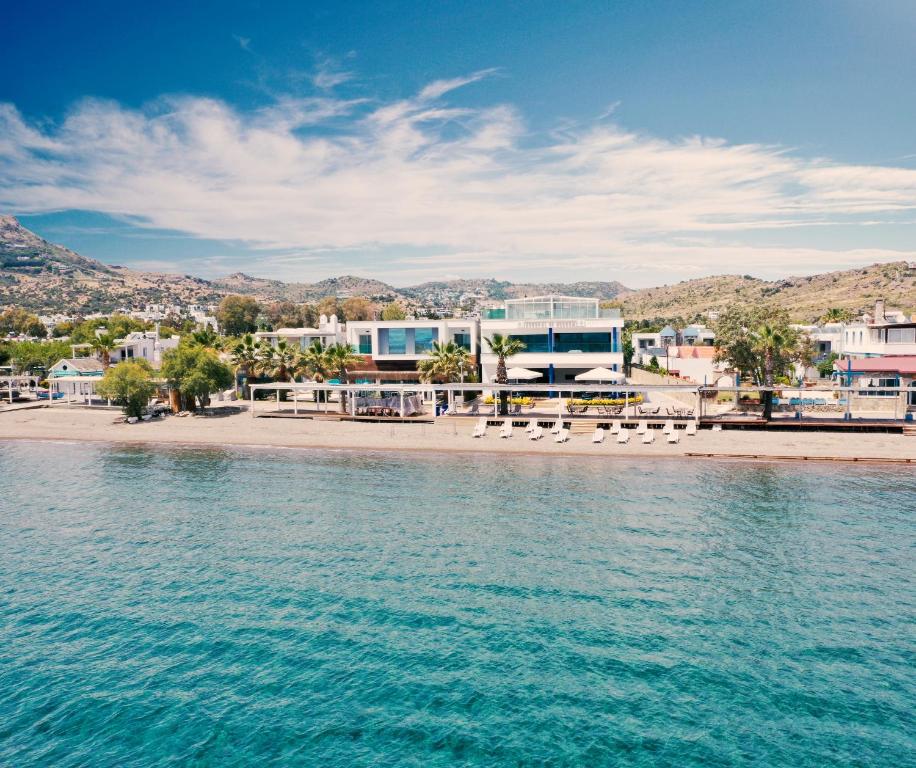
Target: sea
x=211, y=607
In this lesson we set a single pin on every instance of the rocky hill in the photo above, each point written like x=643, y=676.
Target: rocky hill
x=43, y=277
x=806, y=298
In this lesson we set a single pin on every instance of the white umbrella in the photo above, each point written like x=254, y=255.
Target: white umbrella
x=522, y=374
x=600, y=375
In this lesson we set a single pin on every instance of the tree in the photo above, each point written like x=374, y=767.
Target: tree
x=825, y=367
x=206, y=337
x=358, y=308
x=117, y=326
x=103, y=345
x=837, y=315
x=446, y=362
x=628, y=350
x=279, y=362
x=18, y=321
x=342, y=357
x=238, y=315
x=503, y=347
x=330, y=305
x=761, y=345
x=130, y=385
x=195, y=372
x=246, y=356
x=285, y=314
x=315, y=362
x=393, y=311
x=30, y=355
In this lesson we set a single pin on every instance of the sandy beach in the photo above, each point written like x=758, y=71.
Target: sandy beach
x=227, y=427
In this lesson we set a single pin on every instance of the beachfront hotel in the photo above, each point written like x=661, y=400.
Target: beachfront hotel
x=564, y=336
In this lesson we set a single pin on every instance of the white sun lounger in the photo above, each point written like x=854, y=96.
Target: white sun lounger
x=668, y=428
x=598, y=435
x=674, y=437
x=481, y=429
x=641, y=428
x=557, y=426
x=532, y=425
x=506, y=429
x=623, y=436
x=536, y=434
x=562, y=436
x=615, y=427
x=649, y=437
x=716, y=427
x=691, y=429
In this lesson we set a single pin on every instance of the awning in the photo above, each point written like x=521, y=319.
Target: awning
x=522, y=374
x=600, y=375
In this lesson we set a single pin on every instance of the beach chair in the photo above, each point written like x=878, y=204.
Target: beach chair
x=641, y=428
x=674, y=436
x=649, y=437
x=615, y=427
x=598, y=435
x=532, y=425
x=623, y=436
x=557, y=426
x=481, y=429
x=536, y=434
x=562, y=436
x=516, y=409
x=691, y=429
x=475, y=408
x=716, y=427
x=506, y=429
x=668, y=428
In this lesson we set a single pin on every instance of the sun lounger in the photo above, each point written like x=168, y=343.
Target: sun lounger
x=716, y=427
x=691, y=428
x=615, y=427
x=649, y=437
x=481, y=429
x=532, y=425
x=674, y=436
x=598, y=435
x=506, y=429
x=623, y=436
x=557, y=426
x=668, y=428
x=641, y=428
x=562, y=436
x=536, y=434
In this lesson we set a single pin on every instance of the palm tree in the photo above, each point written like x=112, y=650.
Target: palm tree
x=314, y=362
x=340, y=358
x=503, y=347
x=103, y=345
x=206, y=337
x=246, y=356
x=836, y=315
x=770, y=343
x=445, y=363
x=279, y=362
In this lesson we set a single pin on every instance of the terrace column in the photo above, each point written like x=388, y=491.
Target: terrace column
x=295, y=402
x=401, y=412
x=251, y=395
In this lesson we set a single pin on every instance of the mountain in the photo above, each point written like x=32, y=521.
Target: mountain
x=806, y=298
x=43, y=277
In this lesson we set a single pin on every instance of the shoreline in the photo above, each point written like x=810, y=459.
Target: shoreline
x=239, y=429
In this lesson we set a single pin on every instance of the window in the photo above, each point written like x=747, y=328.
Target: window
x=463, y=340
x=365, y=343
x=582, y=342
x=901, y=336
x=397, y=341
x=873, y=387
x=424, y=338
x=535, y=342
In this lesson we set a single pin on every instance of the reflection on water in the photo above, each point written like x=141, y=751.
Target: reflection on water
x=211, y=607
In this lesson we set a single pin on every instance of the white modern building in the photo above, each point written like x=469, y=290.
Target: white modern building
x=887, y=332
x=564, y=336
x=329, y=331
x=145, y=345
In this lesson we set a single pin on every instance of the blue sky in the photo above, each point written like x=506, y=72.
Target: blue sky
x=646, y=142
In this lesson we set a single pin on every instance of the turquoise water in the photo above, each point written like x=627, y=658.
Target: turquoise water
x=195, y=607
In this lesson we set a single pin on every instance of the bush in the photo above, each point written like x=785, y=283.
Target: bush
x=130, y=385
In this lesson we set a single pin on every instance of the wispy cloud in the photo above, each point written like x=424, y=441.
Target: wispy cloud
x=244, y=42
x=425, y=176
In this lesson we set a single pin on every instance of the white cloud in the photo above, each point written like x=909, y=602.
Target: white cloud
x=595, y=201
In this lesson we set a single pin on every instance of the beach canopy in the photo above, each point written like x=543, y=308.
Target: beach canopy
x=600, y=375
x=523, y=374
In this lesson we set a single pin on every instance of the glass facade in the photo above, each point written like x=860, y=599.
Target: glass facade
x=397, y=340
x=555, y=308
x=533, y=342
x=424, y=338
x=463, y=339
x=582, y=342
x=365, y=344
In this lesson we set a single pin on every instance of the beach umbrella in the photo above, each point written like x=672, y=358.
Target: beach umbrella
x=522, y=374
x=600, y=376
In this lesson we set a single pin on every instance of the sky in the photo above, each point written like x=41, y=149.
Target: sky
x=644, y=142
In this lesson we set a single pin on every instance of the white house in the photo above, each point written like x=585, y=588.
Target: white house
x=563, y=336
x=144, y=345
x=329, y=331
x=884, y=333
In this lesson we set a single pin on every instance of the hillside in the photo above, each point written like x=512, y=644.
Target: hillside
x=806, y=298
x=43, y=277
